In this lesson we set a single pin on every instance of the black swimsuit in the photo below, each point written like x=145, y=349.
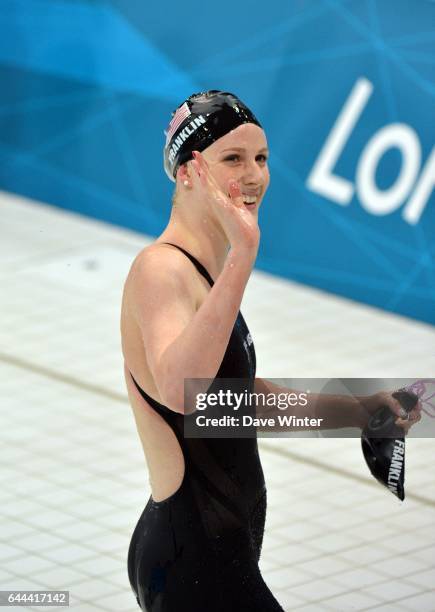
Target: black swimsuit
x=198, y=550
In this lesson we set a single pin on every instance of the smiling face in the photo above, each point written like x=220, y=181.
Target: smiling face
x=241, y=155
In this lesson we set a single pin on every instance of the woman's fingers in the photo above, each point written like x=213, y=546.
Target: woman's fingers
x=236, y=194
x=203, y=169
x=415, y=413
x=196, y=160
x=407, y=424
x=202, y=176
x=198, y=165
x=396, y=407
x=404, y=419
x=195, y=166
x=411, y=418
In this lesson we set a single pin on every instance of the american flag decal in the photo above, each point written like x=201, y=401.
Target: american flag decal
x=180, y=115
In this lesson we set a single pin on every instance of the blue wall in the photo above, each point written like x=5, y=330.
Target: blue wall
x=345, y=90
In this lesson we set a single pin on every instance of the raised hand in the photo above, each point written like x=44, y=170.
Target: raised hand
x=238, y=223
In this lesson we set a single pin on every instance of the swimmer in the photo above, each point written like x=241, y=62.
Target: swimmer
x=197, y=544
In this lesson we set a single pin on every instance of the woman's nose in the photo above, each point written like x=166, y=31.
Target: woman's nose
x=254, y=173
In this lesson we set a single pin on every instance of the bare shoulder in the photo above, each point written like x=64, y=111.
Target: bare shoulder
x=160, y=271
x=160, y=261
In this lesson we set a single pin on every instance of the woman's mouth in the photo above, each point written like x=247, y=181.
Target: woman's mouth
x=250, y=201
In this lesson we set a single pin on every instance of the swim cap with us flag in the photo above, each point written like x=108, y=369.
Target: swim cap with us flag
x=198, y=122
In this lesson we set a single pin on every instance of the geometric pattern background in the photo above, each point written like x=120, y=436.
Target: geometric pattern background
x=344, y=89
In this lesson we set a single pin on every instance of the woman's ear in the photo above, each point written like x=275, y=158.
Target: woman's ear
x=184, y=176
x=183, y=172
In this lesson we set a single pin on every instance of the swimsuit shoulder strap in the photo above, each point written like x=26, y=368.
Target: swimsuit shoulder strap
x=195, y=262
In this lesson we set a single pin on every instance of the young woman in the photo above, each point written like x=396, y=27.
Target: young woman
x=197, y=544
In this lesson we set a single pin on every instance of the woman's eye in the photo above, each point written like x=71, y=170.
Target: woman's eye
x=236, y=158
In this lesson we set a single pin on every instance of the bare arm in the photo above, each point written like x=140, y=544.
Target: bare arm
x=332, y=411
x=180, y=342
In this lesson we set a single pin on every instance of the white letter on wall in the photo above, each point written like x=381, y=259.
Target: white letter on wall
x=406, y=140
x=321, y=180
x=416, y=204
